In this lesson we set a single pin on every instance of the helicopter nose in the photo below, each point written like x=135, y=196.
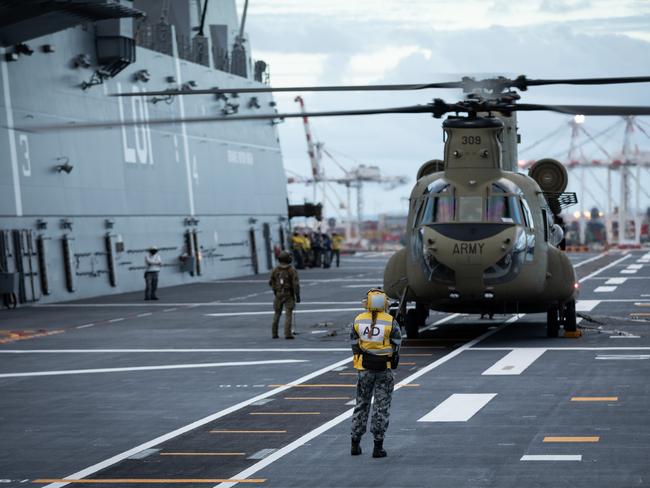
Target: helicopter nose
x=462, y=255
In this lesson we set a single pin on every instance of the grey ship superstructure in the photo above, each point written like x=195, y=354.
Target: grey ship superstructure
x=79, y=208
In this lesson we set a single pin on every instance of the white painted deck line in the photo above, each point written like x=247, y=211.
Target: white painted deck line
x=188, y=305
x=121, y=351
x=586, y=305
x=187, y=428
x=270, y=312
x=593, y=258
x=629, y=271
x=635, y=266
x=625, y=337
x=301, y=441
x=552, y=457
x=149, y=368
x=361, y=286
x=616, y=281
x=605, y=289
x=623, y=357
x=569, y=348
x=441, y=321
x=459, y=407
x=515, y=362
x=598, y=271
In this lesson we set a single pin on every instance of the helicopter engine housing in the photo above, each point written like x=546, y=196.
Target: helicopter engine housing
x=550, y=175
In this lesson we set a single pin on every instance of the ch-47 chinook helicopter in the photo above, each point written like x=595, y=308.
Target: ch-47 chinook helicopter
x=481, y=236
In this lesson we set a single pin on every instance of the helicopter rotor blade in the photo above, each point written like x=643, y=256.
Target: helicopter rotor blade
x=413, y=109
x=268, y=89
x=467, y=84
x=586, y=81
x=592, y=110
x=438, y=108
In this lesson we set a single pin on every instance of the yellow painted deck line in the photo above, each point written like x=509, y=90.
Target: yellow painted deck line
x=150, y=480
x=408, y=364
x=317, y=398
x=642, y=304
x=348, y=374
x=323, y=385
x=284, y=413
x=226, y=431
x=412, y=385
x=572, y=439
x=202, y=453
x=594, y=399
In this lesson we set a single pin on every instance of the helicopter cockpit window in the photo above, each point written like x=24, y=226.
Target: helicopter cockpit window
x=503, y=185
x=504, y=203
x=527, y=214
x=470, y=209
x=440, y=203
x=504, y=208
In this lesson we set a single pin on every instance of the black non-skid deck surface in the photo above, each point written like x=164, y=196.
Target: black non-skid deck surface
x=192, y=390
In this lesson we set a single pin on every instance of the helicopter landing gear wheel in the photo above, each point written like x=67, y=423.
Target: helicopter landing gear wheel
x=422, y=312
x=569, y=318
x=412, y=324
x=552, y=322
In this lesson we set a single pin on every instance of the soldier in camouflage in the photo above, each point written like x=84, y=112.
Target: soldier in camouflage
x=375, y=339
x=286, y=287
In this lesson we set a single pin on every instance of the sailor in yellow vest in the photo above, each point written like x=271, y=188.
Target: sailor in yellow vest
x=337, y=240
x=375, y=338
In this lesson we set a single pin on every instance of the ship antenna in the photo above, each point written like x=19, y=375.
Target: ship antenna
x=240, y=37
x=205, y=10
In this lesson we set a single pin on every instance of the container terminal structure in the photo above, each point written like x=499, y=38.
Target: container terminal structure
x=79, y=208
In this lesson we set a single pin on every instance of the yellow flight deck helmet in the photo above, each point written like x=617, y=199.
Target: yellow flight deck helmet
x=376, y=300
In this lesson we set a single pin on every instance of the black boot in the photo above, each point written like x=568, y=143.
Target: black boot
x=356, y=447
x=378, y=451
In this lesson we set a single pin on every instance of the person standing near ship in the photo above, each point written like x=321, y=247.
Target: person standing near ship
x=375, y=339
x=337, y=240
x=285, y=284
x=153, y=264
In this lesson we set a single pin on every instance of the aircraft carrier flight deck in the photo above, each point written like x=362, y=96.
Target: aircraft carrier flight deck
x=193, y=391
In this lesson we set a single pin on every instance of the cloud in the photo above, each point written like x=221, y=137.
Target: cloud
x=334, y=51
x=564, y=6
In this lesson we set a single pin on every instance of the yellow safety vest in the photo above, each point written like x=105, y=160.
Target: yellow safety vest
x=296, y=242
x=336, y=242
x=374, y=339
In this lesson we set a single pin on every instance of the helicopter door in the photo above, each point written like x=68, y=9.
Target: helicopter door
x=268, y=245
x=253, y=244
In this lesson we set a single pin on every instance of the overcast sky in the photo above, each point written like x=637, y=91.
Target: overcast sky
x=311, y=42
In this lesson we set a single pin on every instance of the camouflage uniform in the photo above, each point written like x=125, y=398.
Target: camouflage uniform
x=286, y=286
x=380, y=383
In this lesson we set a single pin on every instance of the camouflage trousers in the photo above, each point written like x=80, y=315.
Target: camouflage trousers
x=287, y=301
x=381, y=384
